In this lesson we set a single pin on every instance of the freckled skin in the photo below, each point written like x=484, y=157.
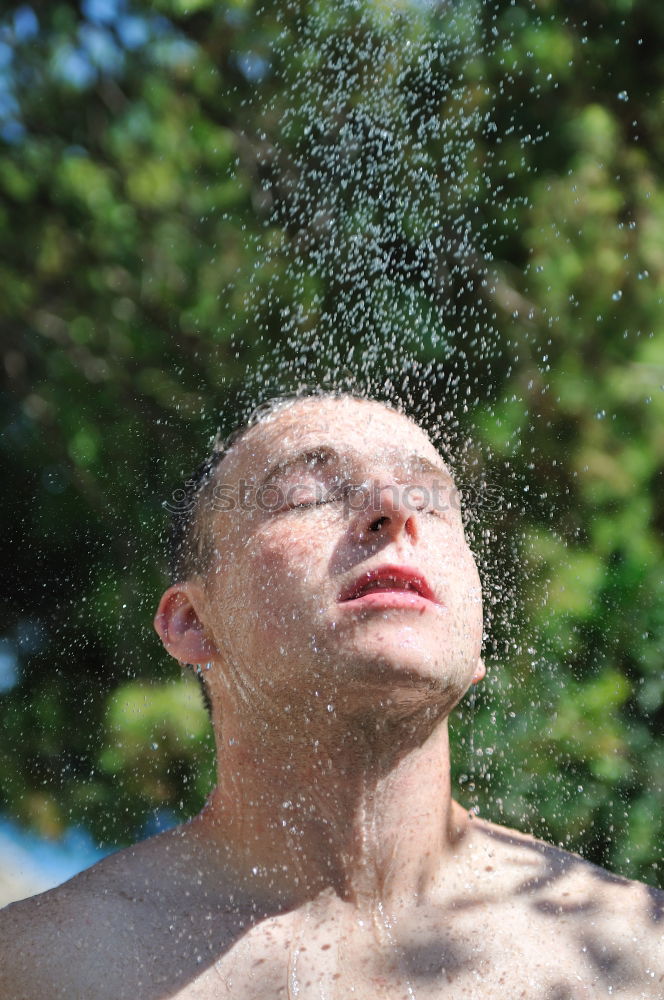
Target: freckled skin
x=288, y=569
x=330, y=859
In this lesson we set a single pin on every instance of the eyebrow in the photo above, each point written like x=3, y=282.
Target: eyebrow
x=418, y=463
x=324, y=454
x=319, y=455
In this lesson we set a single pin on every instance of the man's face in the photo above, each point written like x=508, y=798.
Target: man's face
x=340, y=574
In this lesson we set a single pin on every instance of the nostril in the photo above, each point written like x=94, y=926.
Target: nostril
x=378, y=523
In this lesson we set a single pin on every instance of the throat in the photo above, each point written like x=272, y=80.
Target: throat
x=363, y=823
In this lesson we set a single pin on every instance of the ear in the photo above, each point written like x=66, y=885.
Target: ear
x=480, y=671
x=179, y=626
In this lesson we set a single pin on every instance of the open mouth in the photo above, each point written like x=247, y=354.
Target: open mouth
x=389, y=580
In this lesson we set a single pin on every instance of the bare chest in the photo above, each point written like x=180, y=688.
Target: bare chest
x=481, y=951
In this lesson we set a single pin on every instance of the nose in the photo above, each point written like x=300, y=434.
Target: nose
x=387, y=512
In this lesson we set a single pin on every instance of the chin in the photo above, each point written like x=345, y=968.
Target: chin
x=405, y=673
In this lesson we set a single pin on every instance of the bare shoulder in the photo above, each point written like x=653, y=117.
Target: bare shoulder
x=111, y=932
x=48, y=942
x=546, y=865
x=554, y=882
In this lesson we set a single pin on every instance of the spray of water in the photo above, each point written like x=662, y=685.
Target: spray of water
x=376, y=271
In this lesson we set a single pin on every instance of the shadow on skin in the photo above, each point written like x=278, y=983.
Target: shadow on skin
x=560, y=991
x=656, y=904
x=166, y=946
x=437, y=957
x=559, y=863
x=148, y=944
x=563, y=909
x=556, y=863
x=183, y=948
x=615, y=969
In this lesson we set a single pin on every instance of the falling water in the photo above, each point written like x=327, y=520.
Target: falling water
x=384, y=206
x=395, y=256
x=384, y=200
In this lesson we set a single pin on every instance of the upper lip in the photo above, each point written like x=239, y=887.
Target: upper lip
x=402, y=577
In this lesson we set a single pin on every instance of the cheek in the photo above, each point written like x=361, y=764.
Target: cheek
x=474, y=616
x=462, y=587
x=456, y=562
x=283, y=578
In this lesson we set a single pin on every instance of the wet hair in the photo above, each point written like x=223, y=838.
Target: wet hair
x=189, y=548
x=190, y=542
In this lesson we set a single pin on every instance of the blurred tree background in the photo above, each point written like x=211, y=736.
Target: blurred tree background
x=179, y=201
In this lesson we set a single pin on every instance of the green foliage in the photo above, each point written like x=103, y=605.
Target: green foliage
x=160, y=215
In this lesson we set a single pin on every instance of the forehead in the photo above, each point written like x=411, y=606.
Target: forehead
x=363, y=427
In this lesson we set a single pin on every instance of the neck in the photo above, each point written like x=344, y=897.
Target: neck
x=361, y=808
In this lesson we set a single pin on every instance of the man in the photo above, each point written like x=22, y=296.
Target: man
x=325, y=590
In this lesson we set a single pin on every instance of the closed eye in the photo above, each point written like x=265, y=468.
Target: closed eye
x=439, y=499
x=444, y=515
x=304, y=504
x=444, y=510
x=332, y=496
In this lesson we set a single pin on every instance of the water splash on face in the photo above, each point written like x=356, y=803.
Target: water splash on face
x=388, y=188
x=383, y=198
x=383, y=202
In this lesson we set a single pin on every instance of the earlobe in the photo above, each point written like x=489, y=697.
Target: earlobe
x=480, y=671
x=180, y=628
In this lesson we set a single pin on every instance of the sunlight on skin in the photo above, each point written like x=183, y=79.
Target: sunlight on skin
x=331, y=859
x=359, y=687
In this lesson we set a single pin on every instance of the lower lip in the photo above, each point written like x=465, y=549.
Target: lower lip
x=383, y=599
